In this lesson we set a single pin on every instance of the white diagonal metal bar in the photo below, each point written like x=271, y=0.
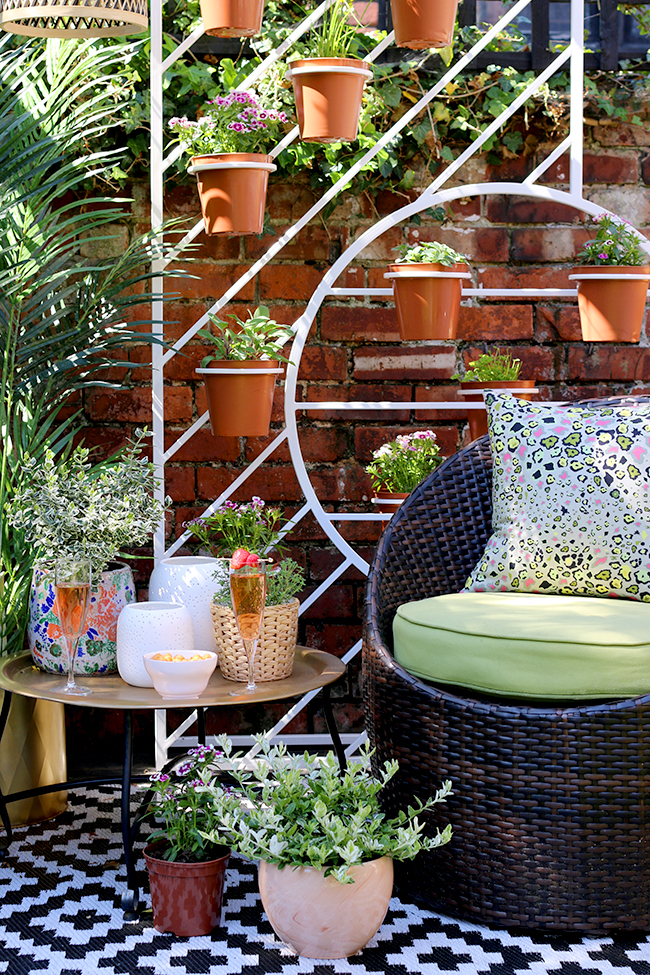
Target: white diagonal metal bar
x=546, y=163
x=184, y=46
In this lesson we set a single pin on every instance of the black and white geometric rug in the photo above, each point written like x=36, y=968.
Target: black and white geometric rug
x=60, y=912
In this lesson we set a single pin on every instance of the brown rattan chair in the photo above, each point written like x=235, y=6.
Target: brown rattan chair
x=551, y=804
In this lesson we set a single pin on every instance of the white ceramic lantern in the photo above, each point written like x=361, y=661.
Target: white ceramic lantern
x=153, y=627
x=192, y=581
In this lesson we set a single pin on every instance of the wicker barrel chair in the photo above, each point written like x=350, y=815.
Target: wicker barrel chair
x=551, y=804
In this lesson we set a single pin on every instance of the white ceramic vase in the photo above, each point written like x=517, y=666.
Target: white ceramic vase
x=154, y=627
x=190, y=580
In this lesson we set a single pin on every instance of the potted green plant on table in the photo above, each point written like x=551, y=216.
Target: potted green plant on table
x=232, y=170
x=328, y=87
x=612, y=282
x=419, y=24
x=240, y=373
x=325, y=846
x=398, y=467
x=232, y=18
x=427, y=289
x=492, y=370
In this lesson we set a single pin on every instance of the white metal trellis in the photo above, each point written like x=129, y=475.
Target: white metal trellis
x=434, y=193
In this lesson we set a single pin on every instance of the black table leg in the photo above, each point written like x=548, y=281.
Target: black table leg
x=200, y=725
x=4, y=815
x=131, y=894
x=333, y=730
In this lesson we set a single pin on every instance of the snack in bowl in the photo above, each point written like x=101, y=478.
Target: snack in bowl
x=180, y=675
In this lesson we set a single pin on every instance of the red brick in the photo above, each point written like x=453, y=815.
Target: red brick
x=134, y=405
x=180, y=483
x=203, y=446
x=334, y=638
x=323, y=363
x=601, y=167
x=179, y=317
x=216, y=247
x=324, y=444
x=359, y=324
x=568, y=324
x=524, y=209
x=387, y=201
x=607, y=362
x=380, y=249
x=475, y=244
x=319, y=394
x=445, y=394
x=344, y=483
x=322, y=562
x=288, y=282
x=270, y=483
x=213, y=280
x=182, y=200
x=645, y=168
x=402, y=362
x=287, y=201
x=536, y=363
x=255, y=445
x=617, y=134
x=286, y=314
x=182, y=366
x=337, y=602
x=376, y=279
x=524, y=277
x=352, y=277
x=573, y=394
x=361, y=531
x=311, y=244
x=629, y=202
x=369, y=439
x=505, y=322
x=103, y=441
x=558, y=244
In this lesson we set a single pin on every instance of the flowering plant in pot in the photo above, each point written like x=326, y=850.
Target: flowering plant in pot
x=328, y=86
x=492, y=370
x=325, y=846
x=427, y=289
x=240, y=372
x=232, y=169
x=399, y=466
x=612, y=282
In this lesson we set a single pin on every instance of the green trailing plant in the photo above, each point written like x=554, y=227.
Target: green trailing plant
x=616, y=242
x=250, y=525
x=429, y=253
x=283, y=583
x=400, y=465
x=492, y=367
x=256, y=337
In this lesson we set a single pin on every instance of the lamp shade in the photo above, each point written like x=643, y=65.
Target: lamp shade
x=74, y=18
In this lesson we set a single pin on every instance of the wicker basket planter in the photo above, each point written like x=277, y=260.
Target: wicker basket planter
x=276, y=648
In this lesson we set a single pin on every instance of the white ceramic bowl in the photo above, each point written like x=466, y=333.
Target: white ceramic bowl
x=175, y=679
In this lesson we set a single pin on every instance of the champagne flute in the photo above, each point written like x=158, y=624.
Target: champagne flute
x=72, y=586
x=248, y=591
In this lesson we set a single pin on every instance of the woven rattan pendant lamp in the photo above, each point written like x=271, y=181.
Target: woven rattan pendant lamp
x=74, y=18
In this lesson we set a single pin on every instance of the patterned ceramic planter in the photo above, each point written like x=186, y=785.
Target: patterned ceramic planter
x=97, y=653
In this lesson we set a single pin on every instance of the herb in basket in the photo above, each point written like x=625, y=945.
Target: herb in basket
x=283, y=583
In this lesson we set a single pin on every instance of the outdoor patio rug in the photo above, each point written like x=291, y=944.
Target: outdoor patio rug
x=60, y=913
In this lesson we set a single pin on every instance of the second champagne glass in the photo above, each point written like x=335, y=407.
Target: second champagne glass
x=72, y=586
x=248, y=591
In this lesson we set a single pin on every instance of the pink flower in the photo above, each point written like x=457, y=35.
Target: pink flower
x=603, y=257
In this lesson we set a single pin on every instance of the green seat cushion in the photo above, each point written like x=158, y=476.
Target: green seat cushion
x=527, y=645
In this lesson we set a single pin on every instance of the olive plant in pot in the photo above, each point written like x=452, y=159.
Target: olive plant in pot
x=492, y=370
x=398, y=467
x=240, y=373
x=325, y=847
x=427, y=290
x=612, y=282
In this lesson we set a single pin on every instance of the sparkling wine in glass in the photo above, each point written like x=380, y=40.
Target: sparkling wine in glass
x=248, y=591
x=72, y=586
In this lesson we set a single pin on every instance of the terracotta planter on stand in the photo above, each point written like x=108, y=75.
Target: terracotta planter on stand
x=420, y=24
x=232, y=18
x=186, y=898
x=240, y=396
x=427, y=299
x=473, y=393
x=328, y=93
x=611, y=301
x=232, y=187
x=389, y=501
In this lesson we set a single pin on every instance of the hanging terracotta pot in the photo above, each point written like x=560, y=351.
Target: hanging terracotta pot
x=427, y=299
x=186, y=898
x=240, y=396
x=321, y=918
x=232, y=18
x=328, y=93
x=420, y=24
x=232, y=187
x=389, y=501
x=611, y=301
x=472, y=392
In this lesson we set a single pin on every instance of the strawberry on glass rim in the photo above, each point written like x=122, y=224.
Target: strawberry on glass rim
x=242, y=557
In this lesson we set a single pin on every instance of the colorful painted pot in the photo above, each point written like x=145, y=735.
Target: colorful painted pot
x=97, y=653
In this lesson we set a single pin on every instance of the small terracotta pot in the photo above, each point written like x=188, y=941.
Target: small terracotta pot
x=611, y=305
x=328, y=93
x=232, y=18
x=240, y=402
x=321, y=918
x=427, y=305
x=473, y=393
x=420, y=23
x=232, y=188
x=186, y=898
x=389, y=501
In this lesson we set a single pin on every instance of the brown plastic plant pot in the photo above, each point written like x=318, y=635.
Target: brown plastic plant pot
x=611, y=301
x=419, y=24
x=232, y=18
x=186, y=898
x=240, y=396
x=427, y=299
x=232, y=188
x=473, y=393
x=328, y=93
x=388, y=502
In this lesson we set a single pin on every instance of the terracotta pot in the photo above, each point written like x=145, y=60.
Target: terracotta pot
x=186, y=898
x=321, y=918
x=420, y=23
x=427, y=299
x=611, y=302
x=232, y=187
x=240, y=396
x=232, y=18
x=473, y=393
x=389, y=501
x=328, y=93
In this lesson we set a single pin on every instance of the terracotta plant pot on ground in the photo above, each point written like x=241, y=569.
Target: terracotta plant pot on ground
x=232, y=187
x=232, y=18
x=611, y=301
x=427, y=299
x=321, y=918
x=420, y=23
x=240, y=396
x=186, y=898
x=328, y=93
x=389, y=501
x=473, y=393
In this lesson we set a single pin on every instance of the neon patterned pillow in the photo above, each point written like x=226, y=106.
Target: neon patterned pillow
x=571, y=509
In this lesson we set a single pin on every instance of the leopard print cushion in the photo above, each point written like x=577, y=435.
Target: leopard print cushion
x=571, y=510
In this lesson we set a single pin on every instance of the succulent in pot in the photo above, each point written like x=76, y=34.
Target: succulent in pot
x=398, y=467
x=427, y=289
x=612, y=282
x=492, y=370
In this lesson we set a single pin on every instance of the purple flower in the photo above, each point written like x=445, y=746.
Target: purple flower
x=159, y=777
x=603, y=257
